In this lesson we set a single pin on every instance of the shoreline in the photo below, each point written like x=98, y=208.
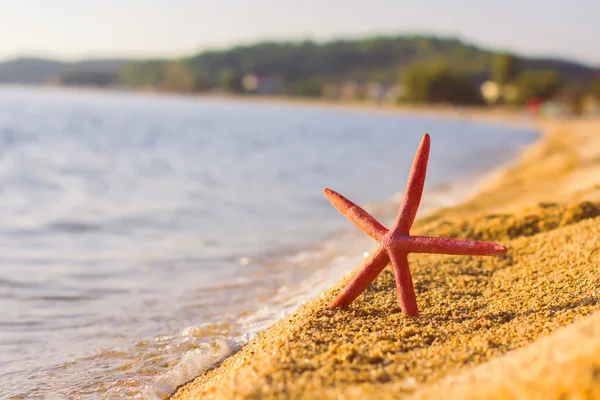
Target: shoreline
x=448, y=195
x=556, y=168
x=427, y=210
x=505, y=116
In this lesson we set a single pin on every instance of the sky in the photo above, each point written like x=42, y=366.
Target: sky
x=75, y=29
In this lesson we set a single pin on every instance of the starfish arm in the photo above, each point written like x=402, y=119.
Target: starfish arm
x=356, y=215
x=404, y=284
x=367, y=274
x=424, y=244
x=414, y=189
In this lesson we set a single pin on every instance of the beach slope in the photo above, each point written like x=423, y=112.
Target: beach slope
x=514, y=326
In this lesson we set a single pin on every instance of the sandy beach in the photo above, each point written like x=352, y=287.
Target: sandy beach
x=523, y=325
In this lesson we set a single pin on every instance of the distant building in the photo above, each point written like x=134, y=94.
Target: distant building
x=259, y=85
x=490, y=91
x=509, y=93
x=590, y=106
x=54, y=81
x=267, y=86
x=350, y=90
x=555, y=108
x=330, y=91
x=392, y=93
x=375, y=92
x=250, y=83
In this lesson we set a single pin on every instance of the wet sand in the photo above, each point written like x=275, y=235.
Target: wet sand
x=523, y=325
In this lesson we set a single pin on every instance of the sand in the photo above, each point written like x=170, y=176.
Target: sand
x=523, y=325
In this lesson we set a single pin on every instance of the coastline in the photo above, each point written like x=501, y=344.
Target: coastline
x=559, y=167
x=340, y=251
x=505, y=116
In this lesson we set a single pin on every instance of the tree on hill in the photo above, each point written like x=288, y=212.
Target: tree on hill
x=301, y=67
x=371, y=59
x=594, y=87
x=83, y=77
x=230, y=80
x=505, y=69
x=202, y=80
x=177, y=76
x=435, y=82
x=142, y=73
x=541, y=84
x=310, y=88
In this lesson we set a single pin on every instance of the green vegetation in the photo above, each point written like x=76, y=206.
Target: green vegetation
x=417, y=69
x=142, y=73
x=594, y=88
x=505, y=68
x=305, y=69
x=435, y=82
x=82, y=77
x=542, y=84
x=420, y=69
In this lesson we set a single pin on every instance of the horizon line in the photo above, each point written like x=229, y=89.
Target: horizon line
x=42, y=55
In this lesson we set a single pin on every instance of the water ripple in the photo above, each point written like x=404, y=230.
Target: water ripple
x=144, y=238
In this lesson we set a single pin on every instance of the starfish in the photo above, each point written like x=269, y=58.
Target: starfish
x=395, y=244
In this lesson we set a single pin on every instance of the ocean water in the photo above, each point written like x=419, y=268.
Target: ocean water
x=143, y=238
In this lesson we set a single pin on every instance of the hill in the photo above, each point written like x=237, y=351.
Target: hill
x=441, y=69
x=307, y=67
x=29, y=70
x=38, y=71
x=378, y=56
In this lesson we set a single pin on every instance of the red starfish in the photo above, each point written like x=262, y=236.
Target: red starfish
x=395, y=244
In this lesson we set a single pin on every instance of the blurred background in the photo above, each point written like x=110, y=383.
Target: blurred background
x=162, y=163
x=466, y=52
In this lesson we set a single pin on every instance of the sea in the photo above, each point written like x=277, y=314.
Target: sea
x=144, y=238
